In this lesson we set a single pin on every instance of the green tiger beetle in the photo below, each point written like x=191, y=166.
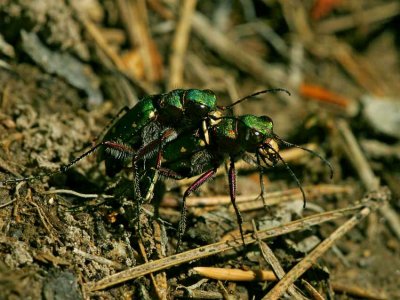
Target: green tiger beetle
x=154, y=120
x=231, y=138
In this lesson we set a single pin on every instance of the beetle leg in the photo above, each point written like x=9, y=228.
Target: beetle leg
x=232, y=193
x=260, y=174
x=292, y=174
x=193, y=187
x=124, y=150
x=138, y=195
x=148, y=149
x=170, y=174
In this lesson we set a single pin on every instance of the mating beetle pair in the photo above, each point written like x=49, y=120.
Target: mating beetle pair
x=188, y=135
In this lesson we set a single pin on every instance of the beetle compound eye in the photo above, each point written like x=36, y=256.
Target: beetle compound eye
x=196, y=110
x=199, y=103
x=253, y=139
x=256, y=136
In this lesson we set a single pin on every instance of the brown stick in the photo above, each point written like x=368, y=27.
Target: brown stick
x=312, y=291
x=112, y=55
x=356, y=157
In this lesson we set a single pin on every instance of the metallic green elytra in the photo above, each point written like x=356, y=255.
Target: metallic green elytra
x=185, y=106
x=179, y=110
x=126, y=129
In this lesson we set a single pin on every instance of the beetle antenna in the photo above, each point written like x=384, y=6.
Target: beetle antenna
x=61, y=169
x=253, y=95
x=291, y=174
x=308, y=150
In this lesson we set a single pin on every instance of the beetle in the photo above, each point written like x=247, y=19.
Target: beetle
x=233, y=138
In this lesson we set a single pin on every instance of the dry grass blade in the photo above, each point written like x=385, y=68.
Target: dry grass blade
x=312, y=291
x=356, y=156
x=112, y=55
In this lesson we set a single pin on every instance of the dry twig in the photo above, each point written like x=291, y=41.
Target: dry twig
x=134, y=16
x=160, y=292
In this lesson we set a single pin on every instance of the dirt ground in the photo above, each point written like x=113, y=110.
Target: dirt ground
x=68, y=67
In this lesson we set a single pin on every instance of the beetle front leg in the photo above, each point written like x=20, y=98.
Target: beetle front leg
x=193, y=187
x=232, y=193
